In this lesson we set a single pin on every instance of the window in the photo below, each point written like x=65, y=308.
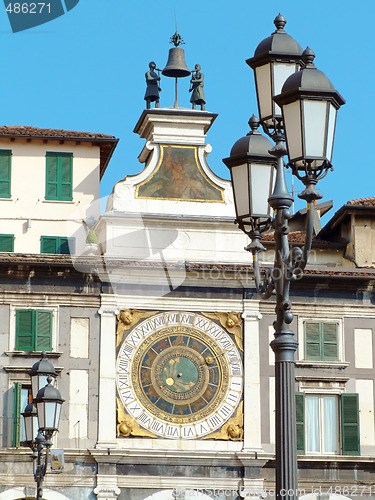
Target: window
x=57, y=245
x=319, y=420
x=33, y=330
x=21, y=398
x=59, y=176
x=5, y=172
x=6, y=242
x=321, y=341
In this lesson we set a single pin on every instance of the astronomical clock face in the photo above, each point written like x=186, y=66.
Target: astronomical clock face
x=179, y=375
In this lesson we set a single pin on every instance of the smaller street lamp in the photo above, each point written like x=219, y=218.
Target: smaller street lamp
x=39, y=373
x=42, y=417
x=48, y=404
x=30, y=417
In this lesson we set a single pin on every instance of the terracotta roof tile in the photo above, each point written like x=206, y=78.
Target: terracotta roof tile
x=107, y=143
x=297, y=237
x=368, y=202
x=293, y=237
x=26, y=131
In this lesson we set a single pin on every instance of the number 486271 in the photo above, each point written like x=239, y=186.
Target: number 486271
x=25, y=8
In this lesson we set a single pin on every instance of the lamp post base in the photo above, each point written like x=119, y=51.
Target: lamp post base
x=284, y=346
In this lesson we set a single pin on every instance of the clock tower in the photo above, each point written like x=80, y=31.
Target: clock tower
x=173, y=322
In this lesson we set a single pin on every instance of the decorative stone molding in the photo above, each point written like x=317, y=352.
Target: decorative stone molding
x=107, y=488
x=108, y=310
x=252, y=489
x=252, y=316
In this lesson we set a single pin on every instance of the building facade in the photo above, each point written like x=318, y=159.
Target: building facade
x=163, y=344
x=49, y=199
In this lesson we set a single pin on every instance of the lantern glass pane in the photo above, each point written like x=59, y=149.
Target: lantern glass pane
x=35, y=426
x=38, y=382
x=331, y=131
x=34, y=385
x=50, y=409
x=260, y=177
x=57, y=417
x=293, y=129
x=41, y=416
x=264, y=91
x=315, y=117
x=29, y=430
x=240, y=181
x=281, y=71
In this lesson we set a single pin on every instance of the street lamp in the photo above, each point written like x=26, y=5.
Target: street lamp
x=252, y=169
x=276, y=57
x=301, y=111
x=39, y=373
x=41, y=418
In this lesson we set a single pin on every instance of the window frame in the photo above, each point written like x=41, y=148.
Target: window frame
x=301, y=354
x=59, y=182
x=8, y=180
x=341, y=423
x=18, y=426
x=35, y=334
x=321, y=419
x=13, y=322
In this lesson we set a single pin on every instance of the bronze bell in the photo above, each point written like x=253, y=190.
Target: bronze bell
x=176, y=64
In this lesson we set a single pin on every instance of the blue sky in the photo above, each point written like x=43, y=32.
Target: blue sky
x=85, y=71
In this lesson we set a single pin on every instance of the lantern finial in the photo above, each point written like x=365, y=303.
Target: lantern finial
x=308, y=56
x=254, y=125
x=279, y=22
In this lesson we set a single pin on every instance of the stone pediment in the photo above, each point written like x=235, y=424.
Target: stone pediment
x=176, y=178
x=179, y=176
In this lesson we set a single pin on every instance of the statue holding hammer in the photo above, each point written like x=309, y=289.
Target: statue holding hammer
x=153, y=89
x=196, y=87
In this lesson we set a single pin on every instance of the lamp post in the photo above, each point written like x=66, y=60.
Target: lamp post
x=42, y=417
x=297, y=105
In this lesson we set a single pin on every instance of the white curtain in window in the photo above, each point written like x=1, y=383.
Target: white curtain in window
x=330, y=424
x=24, y=403
x=312, y=424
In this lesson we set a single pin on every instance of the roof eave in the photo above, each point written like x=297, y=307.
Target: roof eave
x=342, y=212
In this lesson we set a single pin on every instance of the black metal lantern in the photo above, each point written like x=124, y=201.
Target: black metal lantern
x=30, y=417
x=42, y=417
x=309, y=103
x=48, y=403
x=275, y=59
x=252, y=170
x=39, y=374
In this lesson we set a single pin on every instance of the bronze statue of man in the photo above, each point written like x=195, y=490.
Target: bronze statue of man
x=196, y=87
x=153, y=89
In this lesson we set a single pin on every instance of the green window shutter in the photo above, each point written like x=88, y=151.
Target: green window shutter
x=25, y=330
x=300, y=422
x=330, y=345
x=49, y=244
x=66, y=176
x=43, y=328
x=16, y=413
x=59, y=174
x=66, y=245
x=52, y=185
x=350, y=424
x=5, y=173
x=6, y=242
x=312, y=341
